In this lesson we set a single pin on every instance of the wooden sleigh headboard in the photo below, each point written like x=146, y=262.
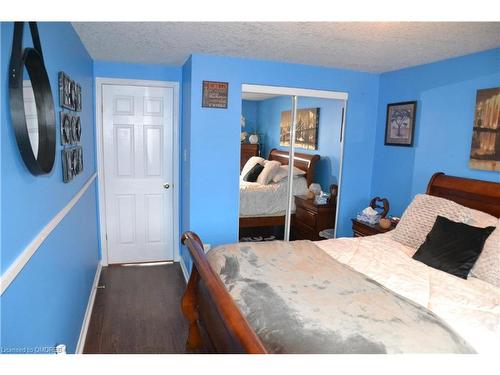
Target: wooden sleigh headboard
x=305, y=162
x=477, y=194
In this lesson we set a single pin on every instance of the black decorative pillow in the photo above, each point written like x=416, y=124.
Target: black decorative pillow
x=452, y=247
x=253, y=173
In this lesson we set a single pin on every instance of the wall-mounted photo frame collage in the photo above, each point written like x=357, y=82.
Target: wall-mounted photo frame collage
x=71, y=129
x=70, y=100
x=70, y=93
x=72, y=162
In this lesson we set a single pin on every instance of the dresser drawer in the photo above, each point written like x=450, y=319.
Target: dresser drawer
x=357, y=233
x=360, y=229
x=304, y=232
x=305, y=216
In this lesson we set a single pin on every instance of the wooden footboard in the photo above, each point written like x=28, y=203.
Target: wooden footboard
x=209, y=307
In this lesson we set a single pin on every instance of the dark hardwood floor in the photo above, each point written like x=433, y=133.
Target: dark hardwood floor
x=138, y=311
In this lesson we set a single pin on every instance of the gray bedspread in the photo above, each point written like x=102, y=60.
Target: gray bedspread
x=300, y=300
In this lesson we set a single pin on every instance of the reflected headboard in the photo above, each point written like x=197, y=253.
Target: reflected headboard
x=305, y=162
x=477, y=194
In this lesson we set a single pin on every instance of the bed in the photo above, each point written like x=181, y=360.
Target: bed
x=464, y=314
x=265, y=205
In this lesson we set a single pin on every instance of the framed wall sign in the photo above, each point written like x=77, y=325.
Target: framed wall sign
x=215, y=94
x=400, y=123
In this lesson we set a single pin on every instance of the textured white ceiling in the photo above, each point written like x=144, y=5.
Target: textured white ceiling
x=365, y=46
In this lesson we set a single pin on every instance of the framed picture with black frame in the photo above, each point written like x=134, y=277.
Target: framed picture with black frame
x=400, y=124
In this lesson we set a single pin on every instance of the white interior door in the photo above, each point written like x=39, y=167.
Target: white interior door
x=138, y=148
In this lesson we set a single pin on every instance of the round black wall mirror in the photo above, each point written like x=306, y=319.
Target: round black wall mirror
x=31, y=103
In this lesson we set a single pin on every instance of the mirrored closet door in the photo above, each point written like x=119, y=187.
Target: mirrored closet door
x=263, y=188
x=289, y=189
x=316, y=159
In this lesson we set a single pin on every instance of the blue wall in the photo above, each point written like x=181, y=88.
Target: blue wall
x=249, y=110
x=330, y=121
x=185, y=155
x=446, y=94
x=214, y=138
x=46, y=303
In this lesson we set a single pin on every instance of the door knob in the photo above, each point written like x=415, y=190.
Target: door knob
x=166, y=185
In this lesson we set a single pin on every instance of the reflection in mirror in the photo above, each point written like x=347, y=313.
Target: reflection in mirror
x=263, y=173
x=30, y=113
x=318, y=132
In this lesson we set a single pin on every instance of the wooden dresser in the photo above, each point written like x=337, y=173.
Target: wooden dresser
x=311, y=218
x=247, y=151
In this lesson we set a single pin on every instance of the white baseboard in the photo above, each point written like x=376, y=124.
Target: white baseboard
x=88, y=313
x=184, y=270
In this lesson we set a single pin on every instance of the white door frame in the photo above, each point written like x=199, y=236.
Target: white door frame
x=99, y=83
x=324, y=94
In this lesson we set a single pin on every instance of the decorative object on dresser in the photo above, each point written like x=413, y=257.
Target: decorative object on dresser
x=243, y=134
x=247, y=151
x=485, y=145
x=315, y=188
x=385, y=223
x=311, y=218
x=253, y=138
x=400, y=124
x=362, y=229
x=374, y=212
x=374, y=203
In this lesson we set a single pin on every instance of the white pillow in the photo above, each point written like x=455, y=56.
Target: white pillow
x=420, y=215
x=269, y=171
x=487, y=267
x=482, y=219
x=250, y=164
x=283, y=173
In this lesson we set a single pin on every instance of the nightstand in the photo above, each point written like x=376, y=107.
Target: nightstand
x=362, y=229
x=311, y=218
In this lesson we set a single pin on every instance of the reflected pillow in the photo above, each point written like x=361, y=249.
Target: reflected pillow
x=271, y=167
x=282, y=173
x=253, y=173
x=250, y=164
x=452, y=247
